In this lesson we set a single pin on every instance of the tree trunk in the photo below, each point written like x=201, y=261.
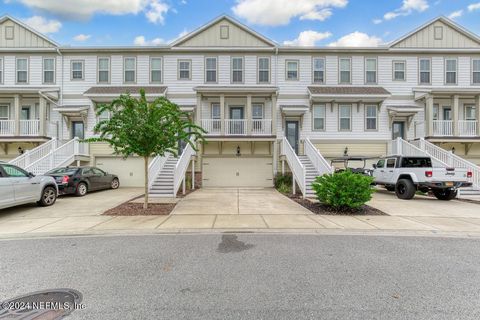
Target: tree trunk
x=145, y=203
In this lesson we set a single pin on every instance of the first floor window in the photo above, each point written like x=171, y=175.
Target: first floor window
x=184, y=69
x=48, y=70
x=399, y=70
x=371, y=117
x=237, y=70
x=211, y=69
x=371, y=70
x=103, y=70
x=263, y=70
x=77, y=70
x=22, y=70
x=475, y=71
x=129, y=69
x=318, y=70
x=470, y=112
x=319, y=117
x=425, y=70
x=156, y=70
x=345, y=117
x=4, y=112
x=345, y=70
x=292, y=70
x=450, y=71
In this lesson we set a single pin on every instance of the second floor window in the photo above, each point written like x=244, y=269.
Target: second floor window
x=257, y=111
x=450, y=71
x=292, y=70
x=345, y=117
x=4, y=112
x=371, y=117
x=237, y=70
x=1, y=70
x=425, y=71
x=49, y=70
x=77, y=70
x=345, y=70
x=129, y=69
x=399, y=70
x=263, y=70
x=105, y=115
x=22, y=70
x=371, y=70
x=103, y=70
x=475, y=71
x=470, y=112
x=156, y=70
x=211, y=69
x=184, y=69
x=319, y=117
x=319, y=70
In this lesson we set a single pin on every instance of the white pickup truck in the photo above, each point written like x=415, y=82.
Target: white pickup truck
x=406, y=175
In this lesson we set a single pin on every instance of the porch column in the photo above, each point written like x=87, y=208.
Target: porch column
x=249, y=114
x=477, y=113
x=455, y=108
x=222, y=114
x=429, y=116
x=17, y=108
x=198, y=110
x=274, y=114
x=42, y=105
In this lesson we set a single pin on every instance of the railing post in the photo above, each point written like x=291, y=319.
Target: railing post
x=75, y=146
x=399, y=146
x=193, y=174
x=422, y=144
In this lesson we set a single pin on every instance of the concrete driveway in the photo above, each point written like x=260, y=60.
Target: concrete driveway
x=232, y=201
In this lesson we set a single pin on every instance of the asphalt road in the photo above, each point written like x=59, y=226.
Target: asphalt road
x=251, y=276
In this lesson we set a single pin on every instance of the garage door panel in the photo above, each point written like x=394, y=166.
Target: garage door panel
x=129, y=171
x=237, y=172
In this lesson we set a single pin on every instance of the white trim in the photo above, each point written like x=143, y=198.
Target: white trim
x=44, y=37
x=109, y=70
x=134, y=70
x=150, y=70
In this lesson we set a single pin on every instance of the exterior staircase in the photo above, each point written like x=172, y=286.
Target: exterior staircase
x=163, y=184
x=310, y=174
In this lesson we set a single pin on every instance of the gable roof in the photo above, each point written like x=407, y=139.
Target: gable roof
x=251, y=32
x=442, y=19
x=28, y=28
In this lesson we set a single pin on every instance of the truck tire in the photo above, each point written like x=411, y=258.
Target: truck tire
x=405, y=189
x=445, y=194
x=390, y=188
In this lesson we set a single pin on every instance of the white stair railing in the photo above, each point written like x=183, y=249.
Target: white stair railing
x=296, y=166
x=30, y=156
x=316, y=158
x=413, y=149
x=181, y=167
x=155, y=167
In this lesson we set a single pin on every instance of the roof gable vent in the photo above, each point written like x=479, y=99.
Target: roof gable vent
x=224, y=32
x=9, y=33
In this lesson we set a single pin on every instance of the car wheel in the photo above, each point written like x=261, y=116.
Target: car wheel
x=390, y=188
x=115, y=183
x=49, y=196
x=405, y=189
x=445, y=194
x=81, y=189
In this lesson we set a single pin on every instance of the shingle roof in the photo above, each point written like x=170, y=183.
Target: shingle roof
x=125, y=89
x=348, y=90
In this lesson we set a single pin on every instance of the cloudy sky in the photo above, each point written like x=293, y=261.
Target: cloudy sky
x=288, y=22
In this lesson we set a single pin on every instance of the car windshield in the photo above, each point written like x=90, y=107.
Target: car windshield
x=416, y=163
x=66, y=171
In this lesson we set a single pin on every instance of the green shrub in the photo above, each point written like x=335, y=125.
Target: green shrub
x=343, y=190
x=283, y=179
x=284, y=188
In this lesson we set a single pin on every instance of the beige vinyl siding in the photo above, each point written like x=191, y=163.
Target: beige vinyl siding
x=23, y=38
x=331, y=150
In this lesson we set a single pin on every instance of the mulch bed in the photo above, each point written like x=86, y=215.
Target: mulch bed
x=319, y=208
x=136, y=209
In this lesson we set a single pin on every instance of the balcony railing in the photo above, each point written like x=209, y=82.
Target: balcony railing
x=467, y=128
x=234, y=127
x=7, y=127
x=29, y=127
x=443, y=128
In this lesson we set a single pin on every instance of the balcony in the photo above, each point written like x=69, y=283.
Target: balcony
x=243, y=127
x=27, y=128
x=7, y=127
x=445, y=128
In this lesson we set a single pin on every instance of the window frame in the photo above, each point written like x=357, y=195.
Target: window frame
x=376, y=70
x=314, y=70
x=445, y=70
x=287, y=61
x=179, y=62
x=8, y=110
x=207, y=70
x=340, y=117
x=43, y=70
x=71, y=70
x=236, y=70
x=150, y=69
x=404, y=62
x=1, y=69
x=269, y=70
x=473, y=108
x=109, y=69
x=420, y=71
x=472, y=71
x=100, y=118
x=366, y=106
x=340, y=70
x=324, y=106
x=134, y=69
x=27, y=70
x=262, y=106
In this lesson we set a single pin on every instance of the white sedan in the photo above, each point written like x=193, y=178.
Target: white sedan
x=20, y=187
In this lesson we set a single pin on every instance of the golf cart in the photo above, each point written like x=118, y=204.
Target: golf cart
x=356, y=164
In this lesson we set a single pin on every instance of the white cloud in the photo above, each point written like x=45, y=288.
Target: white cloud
x=377, y=21
x=280, y=12
x=154, y=10
x=474, y=7
x=142, y=41
x=43, y=25
x=357, y=39
x=82, y=37
x=308, y=38
x=408, y=6
x=455, y=14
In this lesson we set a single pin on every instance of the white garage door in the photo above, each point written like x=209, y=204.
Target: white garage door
x=129, y=171
x=237, y=172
